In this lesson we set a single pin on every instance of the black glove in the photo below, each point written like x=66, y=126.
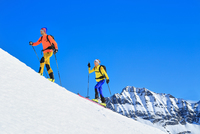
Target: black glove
x=55, y=51
x=89, y=65
x=31, y=43
x=107, y=81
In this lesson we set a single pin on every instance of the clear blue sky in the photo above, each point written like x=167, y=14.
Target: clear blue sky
x=148, y=43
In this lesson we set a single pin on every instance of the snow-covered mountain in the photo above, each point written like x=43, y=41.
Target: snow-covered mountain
x=30, y=104
x=161, y=110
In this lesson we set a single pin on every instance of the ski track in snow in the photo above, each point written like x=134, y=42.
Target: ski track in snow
x=30, y=104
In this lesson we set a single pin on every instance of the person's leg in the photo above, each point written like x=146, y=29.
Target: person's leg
x=47, y=62
x=96, y=92
x=100, y=91
x=41, y=69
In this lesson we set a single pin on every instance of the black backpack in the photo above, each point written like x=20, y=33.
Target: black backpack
x=103, y=75
x=52, y=45
x=104, y=67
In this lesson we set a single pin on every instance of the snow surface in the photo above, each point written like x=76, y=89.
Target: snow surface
x=193, y=128
x=30, y=104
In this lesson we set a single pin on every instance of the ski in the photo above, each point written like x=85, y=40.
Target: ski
x=91, y=101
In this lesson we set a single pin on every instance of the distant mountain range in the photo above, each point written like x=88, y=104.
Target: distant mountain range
x=173, y=115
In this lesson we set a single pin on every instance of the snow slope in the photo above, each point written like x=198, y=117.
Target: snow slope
x=30, y=104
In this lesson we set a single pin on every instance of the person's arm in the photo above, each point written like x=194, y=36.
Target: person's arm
x=53, y=41
x=90, y=71
x=104, y=72
x=38, y=42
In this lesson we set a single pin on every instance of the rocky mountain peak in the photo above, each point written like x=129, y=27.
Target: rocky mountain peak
x=158, y=108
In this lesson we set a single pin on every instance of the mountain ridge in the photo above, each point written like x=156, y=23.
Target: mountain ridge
x=158, y=108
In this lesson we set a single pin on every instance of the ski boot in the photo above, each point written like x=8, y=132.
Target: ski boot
x=103, y=104
x=95, y=100
x=51, y=77
x=103, y=100
x=52, y=80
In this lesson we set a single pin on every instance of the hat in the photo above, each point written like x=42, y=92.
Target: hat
x=44, y=29
x=97, y=60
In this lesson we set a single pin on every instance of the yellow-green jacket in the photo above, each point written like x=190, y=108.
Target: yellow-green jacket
x=98, y=74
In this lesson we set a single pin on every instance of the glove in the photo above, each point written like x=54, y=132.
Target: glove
x=107, y=81
x=55, y=51
x=89, y=65
x=31, y=43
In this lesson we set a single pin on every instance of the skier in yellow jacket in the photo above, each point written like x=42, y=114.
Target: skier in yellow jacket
x=101, y=75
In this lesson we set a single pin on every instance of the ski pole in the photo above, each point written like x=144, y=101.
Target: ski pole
x=88, y=86
x=111, y=100
x=109, y=89
x=39, y=60
x=58, y=70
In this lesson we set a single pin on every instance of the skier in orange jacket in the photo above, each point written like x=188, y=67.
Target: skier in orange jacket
x=47, y=43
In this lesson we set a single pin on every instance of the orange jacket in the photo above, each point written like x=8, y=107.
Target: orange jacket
x=45, y=43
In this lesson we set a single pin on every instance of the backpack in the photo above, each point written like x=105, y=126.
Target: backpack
x=104, y=67
x=52, y=45
x=103, y=75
